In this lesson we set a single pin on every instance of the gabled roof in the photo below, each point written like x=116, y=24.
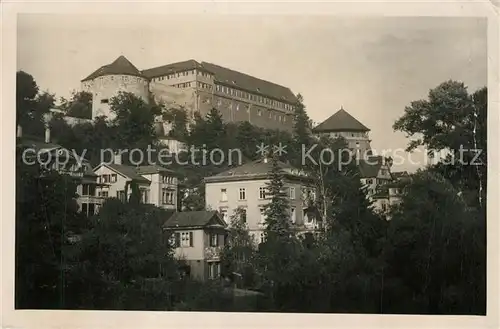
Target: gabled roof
x=258, y=169
x=172, y=68
x=249, y=83
x=121, y=66
x=370, y=167
x=339, y=122
x=194, y=219
x=127, y=171
x=152, y=169
x=135, y=173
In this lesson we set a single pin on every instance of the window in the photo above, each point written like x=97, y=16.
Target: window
x=85, y=208
x=223, y=212
x=120, y=195
x=85, y=189
x=104, y=101
x=262, y=237
x=243, y=194
x=384, y=206
x=223, y=194
x=262, y=193
x=292, y=193
x=293, y=215
x=259, y=112
x=186, y=239
x=213, y=270
x=237, y=107
x=103, y=194
x=214, y=240
x=284, y=119
x=167, y=196
x=369, y=181
x=113, y=178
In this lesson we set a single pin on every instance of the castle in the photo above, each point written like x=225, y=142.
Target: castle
x=196, y=87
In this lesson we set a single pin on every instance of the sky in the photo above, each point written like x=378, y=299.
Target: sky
x=372, y=67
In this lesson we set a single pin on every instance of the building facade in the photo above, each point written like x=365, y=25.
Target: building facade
x=158, y=186
x=244, y=187
x=195, y=87
x=198, y=238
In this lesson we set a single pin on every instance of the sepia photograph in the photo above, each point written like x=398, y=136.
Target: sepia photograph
x=251, y=163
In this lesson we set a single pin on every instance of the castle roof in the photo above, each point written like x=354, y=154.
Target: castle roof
x=249, y=83
x=163, y=70
x=121, y=66
x=221, y=74
x=341, y=121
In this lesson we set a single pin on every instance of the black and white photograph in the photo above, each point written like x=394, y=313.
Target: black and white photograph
x=251, y=163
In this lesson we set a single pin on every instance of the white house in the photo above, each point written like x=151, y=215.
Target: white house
x=157, y=184
x=244, y=187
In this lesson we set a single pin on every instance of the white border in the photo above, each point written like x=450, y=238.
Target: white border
x=121, y=319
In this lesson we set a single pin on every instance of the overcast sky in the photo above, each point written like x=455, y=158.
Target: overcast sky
x=373, y=67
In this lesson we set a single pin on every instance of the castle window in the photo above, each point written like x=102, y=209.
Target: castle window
x=104, y=101
x=259, y=112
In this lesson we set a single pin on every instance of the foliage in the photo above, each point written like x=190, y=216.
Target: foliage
x=238, y=255
x=79, y=106
x=46, y=213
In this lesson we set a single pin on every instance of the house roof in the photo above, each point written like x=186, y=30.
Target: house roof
x=258, y=169
x=129, y=171
x=121, y=66
x=136, y=172
x=202, y=218
x=152, y=169
x=339, y=122
x=370, y=168
x=249, y=83
x=159, y=71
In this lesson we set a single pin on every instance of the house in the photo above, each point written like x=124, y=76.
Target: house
x=375, y=172
x=245, y=187
x=52, y=156
x=158, y=185
x=198, y=238
x=390, y=194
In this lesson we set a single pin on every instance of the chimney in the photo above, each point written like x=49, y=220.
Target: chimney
x=117, y=158
x=47, y=134
x=19, y=131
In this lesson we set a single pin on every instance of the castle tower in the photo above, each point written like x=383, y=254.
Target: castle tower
x=107, y=81
x=342, y=124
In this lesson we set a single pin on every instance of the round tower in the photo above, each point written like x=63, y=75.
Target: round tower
x=109, y=80
x=342, y=124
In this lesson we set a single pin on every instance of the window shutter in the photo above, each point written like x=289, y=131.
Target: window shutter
x=177, y=240
x=190, y=239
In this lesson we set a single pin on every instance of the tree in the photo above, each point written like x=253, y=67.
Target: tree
x=46, y=211
x=238, y=254
x=435, y=252
x=278, y=224
x=133, y=122
x=31, y=105
x=451, y=119
x=79, y=106
x=124, y=260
